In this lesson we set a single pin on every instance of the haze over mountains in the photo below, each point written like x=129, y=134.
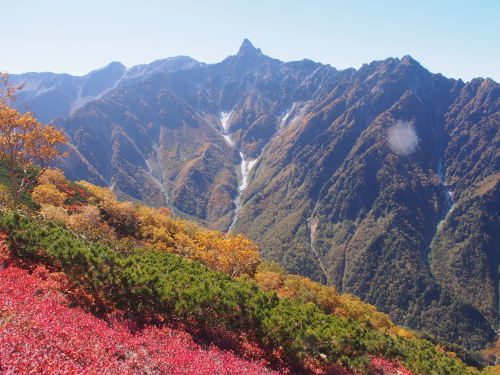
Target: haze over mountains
x=382, y=181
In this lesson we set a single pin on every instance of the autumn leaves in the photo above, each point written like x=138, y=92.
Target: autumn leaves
x=96, y=213
x=24, y=141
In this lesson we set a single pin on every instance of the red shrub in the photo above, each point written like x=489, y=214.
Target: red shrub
x=40, y=334
x=380, y=366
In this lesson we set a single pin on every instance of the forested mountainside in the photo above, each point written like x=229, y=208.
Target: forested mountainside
x=382, y=181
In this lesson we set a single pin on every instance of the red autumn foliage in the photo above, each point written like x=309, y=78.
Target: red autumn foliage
x=76, y=195
x=41, y=334
x=5, y=254
x=381, y=366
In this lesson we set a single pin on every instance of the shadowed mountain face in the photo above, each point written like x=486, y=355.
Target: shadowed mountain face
x=382, y=181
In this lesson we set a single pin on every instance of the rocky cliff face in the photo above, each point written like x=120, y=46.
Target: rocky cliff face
x=381, y=181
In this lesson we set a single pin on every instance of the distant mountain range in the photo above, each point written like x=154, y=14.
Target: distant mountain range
x=381, y=181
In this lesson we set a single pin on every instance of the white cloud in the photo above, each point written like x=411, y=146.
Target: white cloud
x=402, y=138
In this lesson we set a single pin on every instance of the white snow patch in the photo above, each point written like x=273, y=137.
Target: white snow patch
x=311, y=75
x=224, y=131
x=246, y=167
x=296, y=112
x=251, y=163
x=286, y=116
x=299, y=112
x=286, y=119
x=224, y=120
x=450, y=194
x=228, y=139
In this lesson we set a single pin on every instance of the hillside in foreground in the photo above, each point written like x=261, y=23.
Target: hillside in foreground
x=139, y=283
x=42, y=333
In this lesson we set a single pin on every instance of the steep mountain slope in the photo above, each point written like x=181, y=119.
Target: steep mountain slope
x=382, y=181
x=369, y=213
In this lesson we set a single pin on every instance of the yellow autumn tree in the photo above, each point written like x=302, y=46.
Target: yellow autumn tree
x=52, y=176
x=100, y=193
x=4, y=194
x=272, y=277
x=233, y=254
x=24, y=141
x=53, y=213
x=120, y=215
x=269, y=281
x=352, y=307
x=491, y=370
x=48, y=194
x=305, y=289
x=158, y=228
x=88, y=222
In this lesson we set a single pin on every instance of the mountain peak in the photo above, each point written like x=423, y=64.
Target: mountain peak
x=114, y=67
x=247, y=48
x=115, y=64
x=408, y=60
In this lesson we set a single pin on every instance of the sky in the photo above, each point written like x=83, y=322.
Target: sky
x=458, y=38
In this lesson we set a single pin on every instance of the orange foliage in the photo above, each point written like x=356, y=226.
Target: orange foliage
x=53, y=213
x=88, y=222
x=234, y=254
x=48, y=194
x=24, y=140
x=406, y=333
x=309, y=291
x=491, y=370
x=351, y=306
x=109, y=218
x=269, y=280
x=120, y=215
x=5, y=253
x=272, y=277
x=100, y=193
x=52, y=176
x=158, y=228
x=492, y=352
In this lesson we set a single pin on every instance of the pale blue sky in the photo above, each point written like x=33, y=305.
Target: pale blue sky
x=458, y=38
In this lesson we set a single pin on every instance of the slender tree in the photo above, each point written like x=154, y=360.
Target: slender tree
x=24, y=141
